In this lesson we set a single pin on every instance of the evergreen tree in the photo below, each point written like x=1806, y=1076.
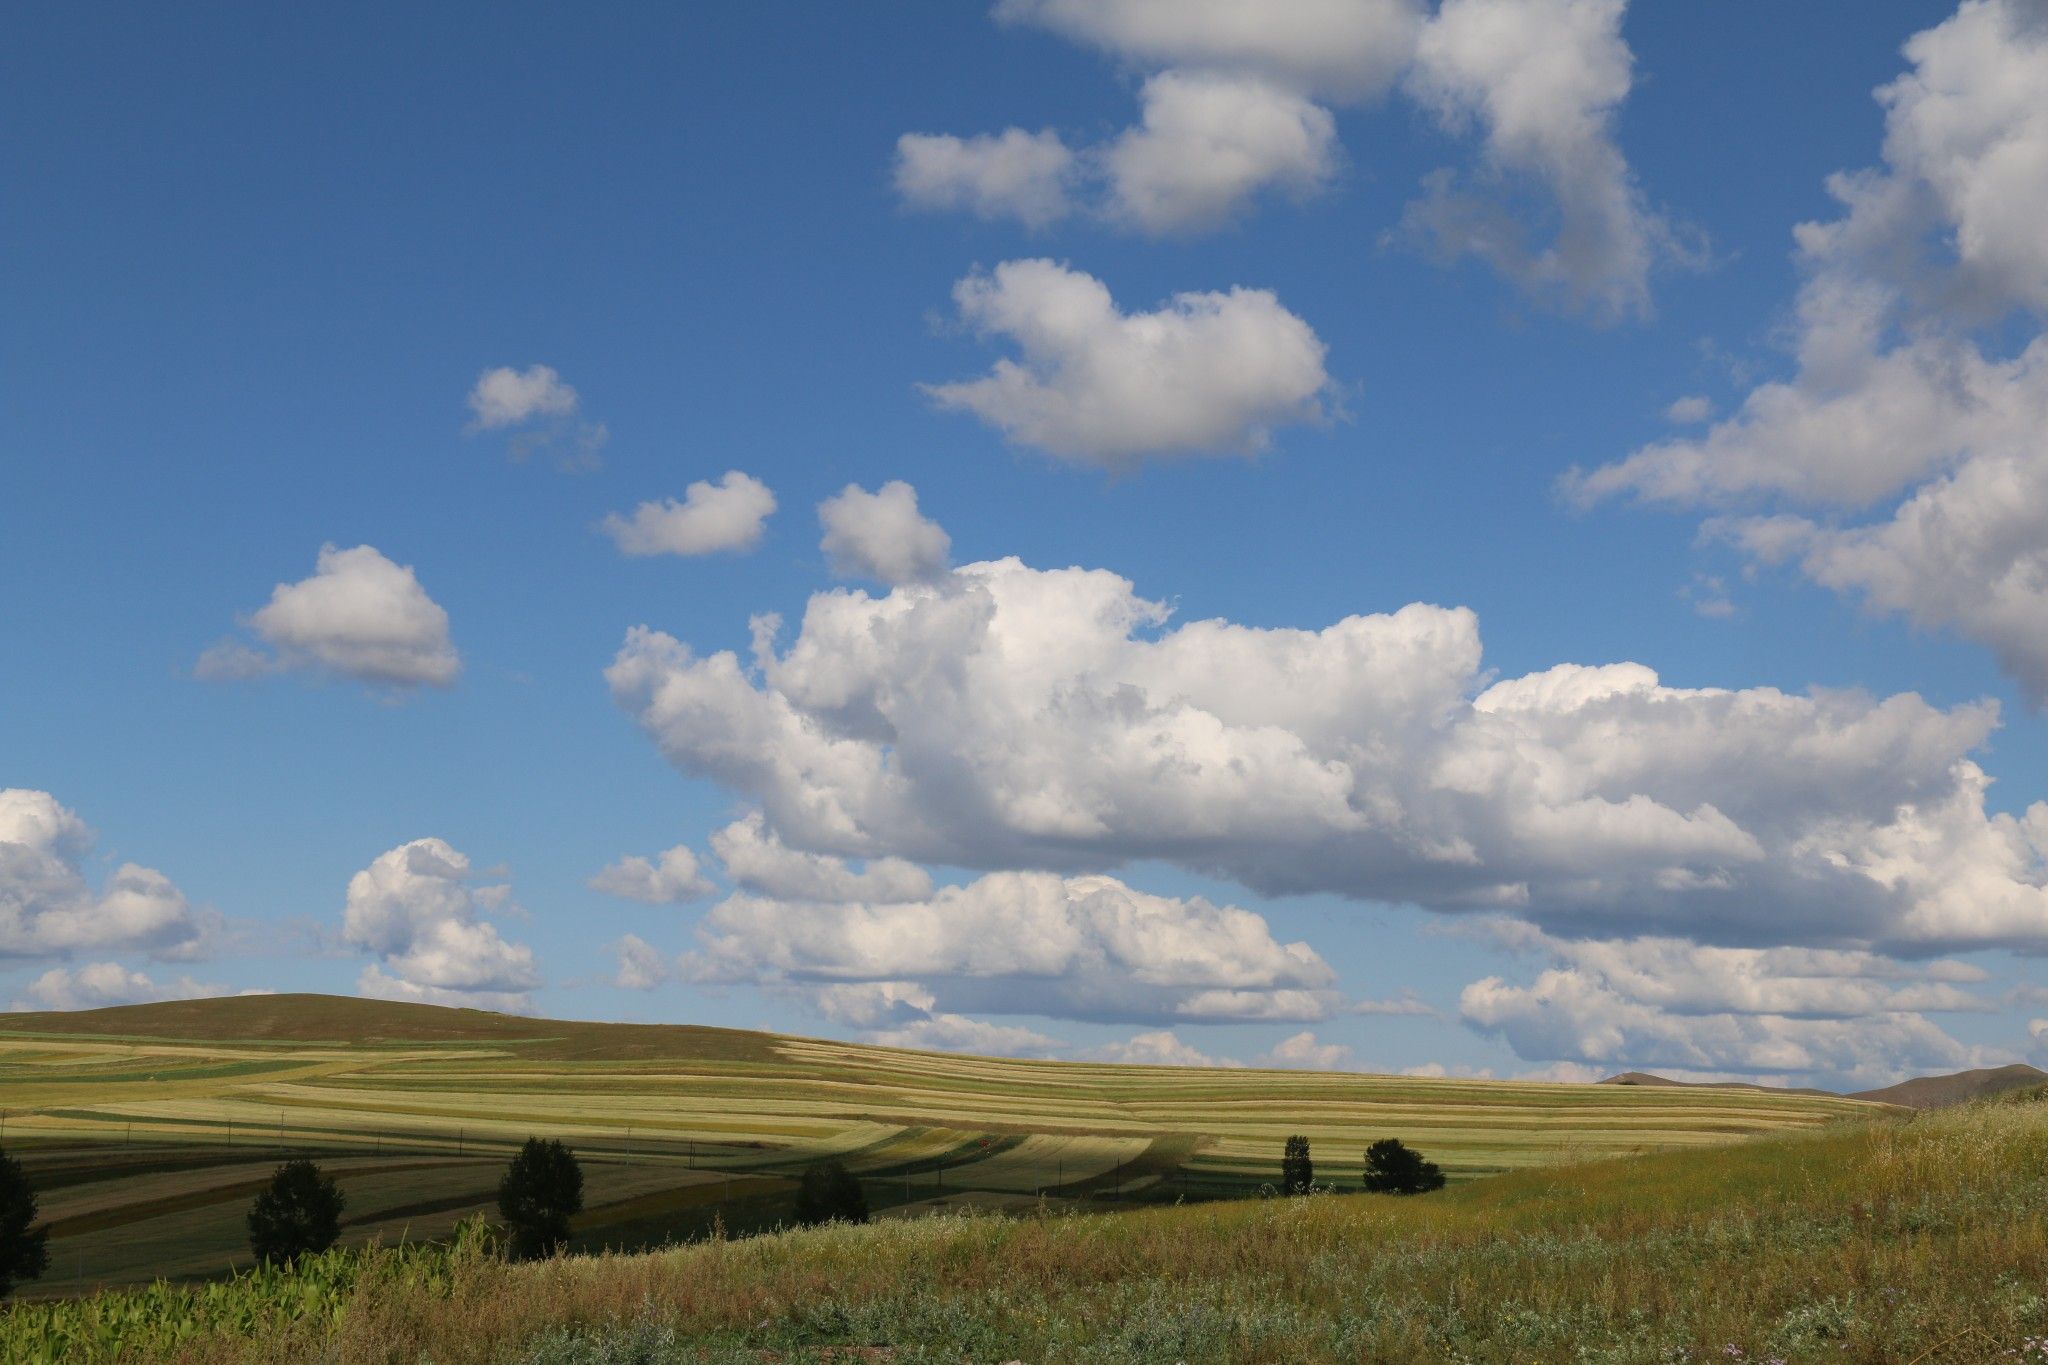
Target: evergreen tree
x=1392, y=1168
x=542, y=1190
x=829, y=1192
x=299, y=1215
x=1297, y=1172
x=24, y=1254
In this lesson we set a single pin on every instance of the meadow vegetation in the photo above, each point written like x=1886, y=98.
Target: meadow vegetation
x=1880, y=1240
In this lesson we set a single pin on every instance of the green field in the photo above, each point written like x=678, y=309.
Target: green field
x=149, y=1128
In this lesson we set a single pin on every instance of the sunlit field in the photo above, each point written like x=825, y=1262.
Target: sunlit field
x=148, y=1129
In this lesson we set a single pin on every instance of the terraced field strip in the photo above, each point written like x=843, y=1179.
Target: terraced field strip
x=148, y=1148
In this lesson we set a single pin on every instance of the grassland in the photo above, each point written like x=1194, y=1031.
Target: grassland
x=1883, y=1240
x=149, y=1128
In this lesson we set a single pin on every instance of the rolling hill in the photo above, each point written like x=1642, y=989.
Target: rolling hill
x=148, y=1127
x=1935, y=1092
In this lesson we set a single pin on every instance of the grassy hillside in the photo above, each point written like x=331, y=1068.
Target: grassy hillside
x=1880, y=1241
x=1933, y=1092
x=148, y=1128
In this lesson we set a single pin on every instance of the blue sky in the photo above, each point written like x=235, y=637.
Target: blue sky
x=261, y=267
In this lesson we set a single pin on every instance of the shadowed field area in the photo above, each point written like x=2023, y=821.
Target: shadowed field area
x=148, y=1128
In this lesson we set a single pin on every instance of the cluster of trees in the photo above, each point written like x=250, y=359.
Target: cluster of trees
x=299, y=1213
x=830, y=1193
x=1391, y=1167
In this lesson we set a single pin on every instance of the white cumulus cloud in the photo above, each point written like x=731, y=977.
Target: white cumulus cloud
x=761, y=863
x=1027, y=942
x=505, y=397
x=1239, y=99
x=539, y=410
x=1835, y=1017
x=1542, y=80
x=1303, y=1052
x=641, y=965
x=48, y=908
x=416, y=911
x=713, y=518
x=1343, y=49
x=1012, y=718
x=1157, y=1047
x=671, y=878
x=1014, y=174
x=1903, y=456
x=97, y=985
x=1204, y=374
x=1208, y=142
x=881, y=536
x=360, y=616
x=1022, y=943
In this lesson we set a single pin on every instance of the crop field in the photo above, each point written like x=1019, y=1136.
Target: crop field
x=148, y=1129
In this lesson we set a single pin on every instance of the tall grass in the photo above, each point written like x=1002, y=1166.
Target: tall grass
x=1889, y=1241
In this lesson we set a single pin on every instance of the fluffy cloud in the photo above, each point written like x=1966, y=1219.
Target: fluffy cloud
x=1239, y=100
x=1158, y=1047
x=881, y=536
x=641, y=965
x=540, y=410
x=506, y=397
x=1341, y=49
x=1207, y=373
x=1571, y=1017
x=1303, y=1052
x=99, y=984
x=1014, y=174
x=761, y=863
x=712, y=518
x=1910, y=398
x=958, y=1033
x=1006, y=717
x=1834, y=1017
x=47, y=908
x=901, y=1014
x=359, y=615
x=1208, y=142
x=1019, y=943
x=1543, y=79
x=671, y=879
x=415, y=910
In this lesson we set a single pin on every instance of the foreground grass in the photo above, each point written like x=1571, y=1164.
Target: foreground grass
x=1887, y=1241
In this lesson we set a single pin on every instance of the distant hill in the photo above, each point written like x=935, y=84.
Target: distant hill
x=1650, y=1078
x=371, y=1023
x=1922, y=1092
x=1934, y=1092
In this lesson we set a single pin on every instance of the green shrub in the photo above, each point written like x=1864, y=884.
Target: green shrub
x=24, y=1254
x=542, y=1190
x=1391, y=1167
x=1297, y=1169
x=830, y=1193
x=299, y=1215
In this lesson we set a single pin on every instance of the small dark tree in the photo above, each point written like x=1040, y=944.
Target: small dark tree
x=1392, y=1168
x=23, y=1253
x=299, y=1215
x=1297, y=1172
x=829, y=1192
x=542, y=1190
